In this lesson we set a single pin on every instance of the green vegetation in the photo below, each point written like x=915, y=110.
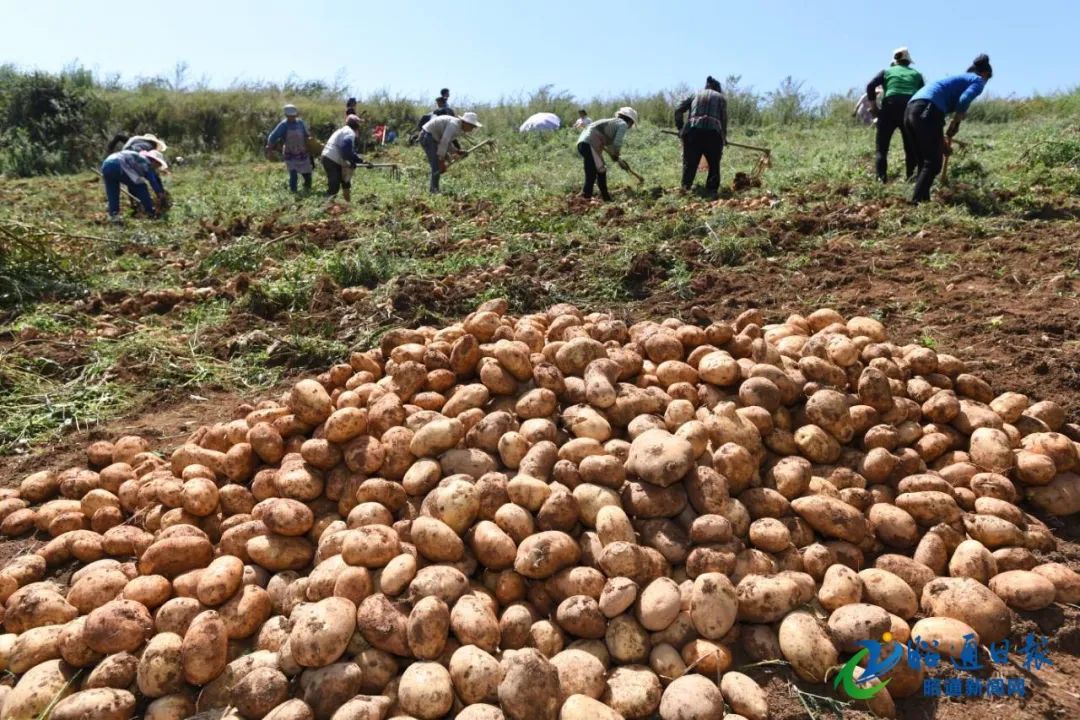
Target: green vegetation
x=84, y=335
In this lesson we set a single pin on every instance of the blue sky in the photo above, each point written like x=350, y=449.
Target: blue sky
x=485, y=49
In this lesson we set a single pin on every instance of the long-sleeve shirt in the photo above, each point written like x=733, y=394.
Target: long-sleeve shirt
x=445, y=129
x=583, y=122
x=138, y=169
x=341, y=147
x=607, y=134
x=953, y=94
x=293, y=135
x=445, y=110
x=708, y=110
x=896, y=80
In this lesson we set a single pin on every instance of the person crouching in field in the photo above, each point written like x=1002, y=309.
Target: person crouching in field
x=925, y=119
x=339, y=158
x=703, y=134
x=899, y=82
x=605, y=135
x=134, y=170
x=438, y=138
x=292, y=135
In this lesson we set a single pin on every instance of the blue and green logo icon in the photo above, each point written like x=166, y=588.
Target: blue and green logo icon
x=876, y=666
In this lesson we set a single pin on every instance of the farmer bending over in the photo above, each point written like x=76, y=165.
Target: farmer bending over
x=703, y=134
x=339, y=158
x=134, y=170
x=600, y=136
x=925, y=119
x=292, y=135
x=900, y=81
x=438, y=140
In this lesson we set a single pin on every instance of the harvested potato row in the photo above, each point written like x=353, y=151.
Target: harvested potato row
x=557, y=515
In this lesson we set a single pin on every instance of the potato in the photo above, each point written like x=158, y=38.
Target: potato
x=71, y=646
x=950, y=634
x=475, y=675
x=542, y=555
x=160, y=670
x=713, y=605
x=766, y=599
x=1023, y=589
x=660, y=458
x=840, y=586
x=858, y=621
x=888, y=591
x=832, y=517
x=658, y=605
x=220, y=581
x=179, y=707
x=321, y=631
x=40, y=687
x=34, y=646
x=176, y=555
x=529, y=688
x=205, y=648
x=383, y=624
x=116, y=671
x=280, y=552
x=326, y=689
x=806, y=646
x=744, y=696
x=118, y=626
x=1066, y=581
x=633, y=691
x=426, y=691
x=435, y=540
x=259, y=692
x=37, y=605
x=691, y=697
x=583, y=707
x=966, y=600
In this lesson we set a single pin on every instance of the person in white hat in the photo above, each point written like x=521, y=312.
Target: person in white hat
x=605, y=135
x=135, y=171
x=439, y=139
x=291, y=134
x=339, y=158
x=898, y=83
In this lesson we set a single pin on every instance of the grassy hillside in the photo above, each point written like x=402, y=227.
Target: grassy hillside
x=244, y=282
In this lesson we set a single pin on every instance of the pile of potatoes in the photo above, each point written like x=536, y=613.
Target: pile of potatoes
x=549, y=516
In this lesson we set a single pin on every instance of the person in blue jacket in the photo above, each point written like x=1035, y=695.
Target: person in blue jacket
x=292, y=135
x=925, y=119
x=134, y=170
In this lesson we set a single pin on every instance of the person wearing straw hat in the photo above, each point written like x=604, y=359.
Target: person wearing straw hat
x=898, y=83
x=605, y=135
x=134, y=170
x=339, y=158
x=138, y=143
x=439, y=139
x=291, y=134
x=925, y=119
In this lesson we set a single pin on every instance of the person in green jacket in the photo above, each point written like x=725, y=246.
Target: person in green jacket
x=899, y=81
x=599, y=137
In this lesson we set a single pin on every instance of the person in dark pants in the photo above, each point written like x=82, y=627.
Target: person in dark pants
x=704, y=134
x=339, y=158
x=439, y=138
x=599, y=137
x=925, y=119
x=899, y=82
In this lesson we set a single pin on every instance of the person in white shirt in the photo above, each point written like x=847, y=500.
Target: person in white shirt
x=438, y=140
x=583, y=120
x=339, y=158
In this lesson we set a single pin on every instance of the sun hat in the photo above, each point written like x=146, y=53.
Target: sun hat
x=158, y=142
x=291, y=111
x=902, y=54
x=470, y=117
x=628, y=113
x=157, y=157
